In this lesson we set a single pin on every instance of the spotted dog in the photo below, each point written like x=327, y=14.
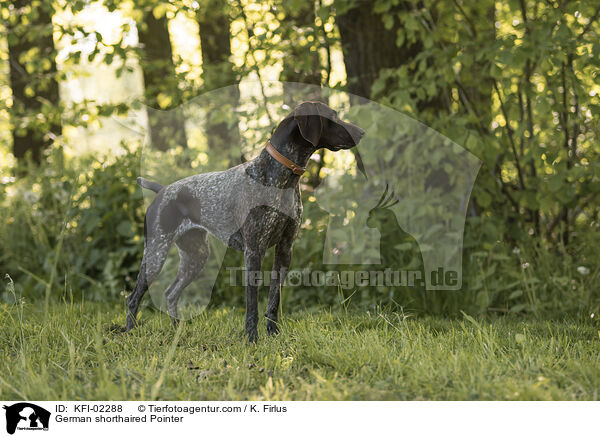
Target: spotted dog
x=250, y=207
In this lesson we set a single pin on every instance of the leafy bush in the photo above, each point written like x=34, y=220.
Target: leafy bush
x=77, y=229
x=73, y=228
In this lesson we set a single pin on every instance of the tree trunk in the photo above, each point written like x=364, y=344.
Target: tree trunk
x=300, y=64
x=369, y=47
x=218, y=72
x=215, y=41
x=34, y=93
x=167, y=128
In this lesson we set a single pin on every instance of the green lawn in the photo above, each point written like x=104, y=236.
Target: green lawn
x=70, y=352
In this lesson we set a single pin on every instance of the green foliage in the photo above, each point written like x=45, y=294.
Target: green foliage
x=517, y=89
x=73, y=228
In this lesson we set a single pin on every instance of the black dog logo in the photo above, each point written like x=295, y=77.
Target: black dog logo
x=29, y=416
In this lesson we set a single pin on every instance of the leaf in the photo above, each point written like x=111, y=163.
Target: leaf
x=388, y=21
x=125, y=229
x=160, y=10
x=518, y=308
x=515, y=294
x=555, y=184
x=484, y=199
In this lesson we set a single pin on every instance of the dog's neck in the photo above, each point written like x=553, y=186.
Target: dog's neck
x=270, y=172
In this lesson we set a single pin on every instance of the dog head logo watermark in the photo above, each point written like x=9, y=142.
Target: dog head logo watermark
x=25, y=416
x=396, y=199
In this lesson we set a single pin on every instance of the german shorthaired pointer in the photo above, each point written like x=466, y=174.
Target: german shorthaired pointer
x=250, y=207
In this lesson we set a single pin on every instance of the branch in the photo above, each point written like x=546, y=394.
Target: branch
x=510, y=136
x=463, y=95
x=575, y=124
x=535, y=213
x=576, y=211
x=504, y=189
x=256, y=67
x=565, y=114
x=326, y=45
x=589, y=25
x=521, y=120
x=467, y=19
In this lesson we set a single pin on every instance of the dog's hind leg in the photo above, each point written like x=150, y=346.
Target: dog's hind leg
x=155, y=254
x=193, y=253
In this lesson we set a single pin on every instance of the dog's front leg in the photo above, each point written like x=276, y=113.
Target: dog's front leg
x=253, y=260
x=281, y=265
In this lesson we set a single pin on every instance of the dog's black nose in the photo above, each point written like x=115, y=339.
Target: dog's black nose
x=357, y=134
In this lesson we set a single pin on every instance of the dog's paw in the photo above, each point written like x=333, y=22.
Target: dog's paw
x=252, y=336
x=116, y=328
x=272, y=328
x=131, y=323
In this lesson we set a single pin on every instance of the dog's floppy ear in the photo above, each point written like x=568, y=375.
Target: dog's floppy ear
x=283, y=131
x=310, y=122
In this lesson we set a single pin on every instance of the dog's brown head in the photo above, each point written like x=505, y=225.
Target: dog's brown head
x=317, y=125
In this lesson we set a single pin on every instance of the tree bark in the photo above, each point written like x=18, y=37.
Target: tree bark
x=301, y=65
x=218, y=71
x=167, y=128
x=34, y=93
x=368, y=47
x=215, y=42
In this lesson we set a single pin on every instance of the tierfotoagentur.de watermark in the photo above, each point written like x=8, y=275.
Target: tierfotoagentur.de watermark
x=346, y=279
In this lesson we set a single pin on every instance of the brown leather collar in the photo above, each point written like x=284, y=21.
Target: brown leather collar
x=283, y=160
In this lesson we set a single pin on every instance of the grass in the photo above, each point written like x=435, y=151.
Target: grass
x=71, y=352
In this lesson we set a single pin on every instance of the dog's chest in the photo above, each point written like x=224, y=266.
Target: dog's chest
x=266, y=224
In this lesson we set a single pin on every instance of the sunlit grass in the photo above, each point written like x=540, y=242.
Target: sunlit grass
x=319, y=355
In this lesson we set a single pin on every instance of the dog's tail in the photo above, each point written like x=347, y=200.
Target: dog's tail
x=145, y=183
